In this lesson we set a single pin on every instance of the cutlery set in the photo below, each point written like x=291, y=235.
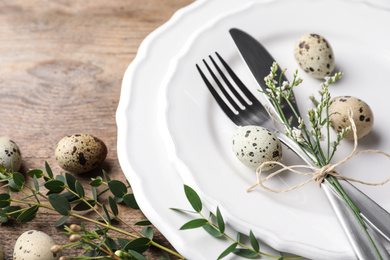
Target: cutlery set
x=258, y=60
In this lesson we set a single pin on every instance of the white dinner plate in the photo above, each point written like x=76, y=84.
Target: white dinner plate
x=198, y=134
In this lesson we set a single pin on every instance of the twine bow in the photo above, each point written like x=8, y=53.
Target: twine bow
x=318, y=174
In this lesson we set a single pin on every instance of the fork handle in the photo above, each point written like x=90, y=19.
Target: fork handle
x=371, y=212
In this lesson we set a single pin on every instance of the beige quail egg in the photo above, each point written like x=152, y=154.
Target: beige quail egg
x=80, y=153
x=254, y=145
x=32, y=245
x=362, y=115
x=10, y=155
x=314, y=55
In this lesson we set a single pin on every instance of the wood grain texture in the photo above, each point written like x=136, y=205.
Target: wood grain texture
x=61, y=67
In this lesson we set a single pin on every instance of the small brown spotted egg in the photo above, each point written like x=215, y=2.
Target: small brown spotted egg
x=314, y=55
x=10, y=155
x=80, y=153
x=33, y=244
x=362, y=115
x=254, y=145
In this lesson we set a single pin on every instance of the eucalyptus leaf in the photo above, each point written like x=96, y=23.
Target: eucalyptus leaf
x=212, y=231
x=48, y=170
x=254, y=243
x=36, y=184
x=243, y=252
x=220, y=221
x=60, y=204
x=61, y=221
x=36, y=172
x=136, y=255
x=113, y=206
x=130, y=201
x=19, y=179
x=5, y=200
x=71, y=181
x=96, y=182
x=28, y=215
x=195, y=223
x=106, y=176
x=61, y=178
x=108, y=217
x=139, y=244
x=81, y=206
x=79, y=189
x=147, y=232
x=117, y=188
x=193, y=198
x=143, y=223
x=14, y=187
x=228, y=250
x=55, y=186
x=94, y=193
x=12, y=209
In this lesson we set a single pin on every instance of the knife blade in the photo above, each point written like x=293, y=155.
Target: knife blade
x=259, y=61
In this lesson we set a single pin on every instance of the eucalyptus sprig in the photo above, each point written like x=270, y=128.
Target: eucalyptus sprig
x=64, y=196
x=215, y=226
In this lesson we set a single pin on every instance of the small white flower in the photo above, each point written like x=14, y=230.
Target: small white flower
x=297, y=134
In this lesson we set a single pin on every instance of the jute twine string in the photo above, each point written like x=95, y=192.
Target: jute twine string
x=317, y=174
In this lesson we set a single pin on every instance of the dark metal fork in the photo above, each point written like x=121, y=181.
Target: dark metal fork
x=249, y=113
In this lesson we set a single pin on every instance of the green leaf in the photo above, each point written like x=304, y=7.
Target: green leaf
x=148, y=232
x=71, y=181
x=195, y=223
x=136, y=255
x=122, y=242
x=79, y=189
x=61, y=178
x=212, y=231
x=5, y=200
x=96, y=182
x=84, y=206
x=36, y=184
x=48, y=170
x=106, y=176
x=113, y=206
x=94, y=193
x=108, y=218
x=193, y=198
x=28, y=215
x=220, y=221
x=228, y=250
x=143, y=223
x=36, y=172
x=139, y=245
x=14, y=187
x=60, y=204
x=117, y=188
x=61, y=221
x=19, y=179
x=254, y=243
x=55, y=186
x=11, y=209
x=130, y=201
x=243, y=252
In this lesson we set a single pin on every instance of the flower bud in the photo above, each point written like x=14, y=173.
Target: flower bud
x=55, y=249
x=74, y=238
x=64, y=258
x=75, y=228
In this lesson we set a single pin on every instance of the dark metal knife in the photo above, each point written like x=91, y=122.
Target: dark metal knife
x=259, y=61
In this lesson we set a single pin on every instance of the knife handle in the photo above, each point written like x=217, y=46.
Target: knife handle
x=373, y=214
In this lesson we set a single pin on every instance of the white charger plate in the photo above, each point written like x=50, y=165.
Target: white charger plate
x=198, y=134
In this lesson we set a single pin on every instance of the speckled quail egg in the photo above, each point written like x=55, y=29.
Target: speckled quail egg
x=33, y=245
x=10, y=155
x=362, y=115
x=314, y=55
x=80, y=153
x=254, y=145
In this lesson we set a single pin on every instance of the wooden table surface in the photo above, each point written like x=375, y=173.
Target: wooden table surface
x=61, y=67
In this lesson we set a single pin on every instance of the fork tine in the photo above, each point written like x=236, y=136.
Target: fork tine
x=223, y=90
x=237, y=80
x=216, y=96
